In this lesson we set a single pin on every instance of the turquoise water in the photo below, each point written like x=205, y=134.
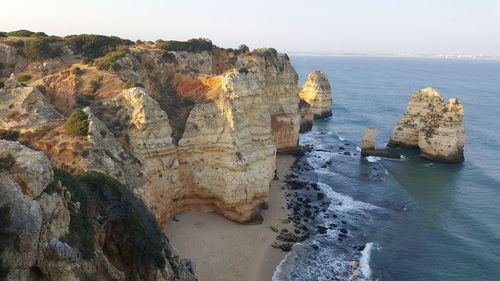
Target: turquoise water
x=419, y=220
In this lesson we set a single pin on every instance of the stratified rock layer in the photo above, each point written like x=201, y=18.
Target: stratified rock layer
x=318, y=93
x=432, y=125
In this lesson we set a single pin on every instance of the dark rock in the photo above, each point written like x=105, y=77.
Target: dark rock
x=347, y=153
x=286, y=247
x=320, y=196
x=359, y=248
x=322, y=229
x=315, y=247
x=288, y=237
x=343, y=230
x=386, y=153
x=273, y=228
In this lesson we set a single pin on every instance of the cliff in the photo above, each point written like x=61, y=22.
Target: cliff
x=432, y=125
x=198, y=129
x=55, y=226
x=318, y=93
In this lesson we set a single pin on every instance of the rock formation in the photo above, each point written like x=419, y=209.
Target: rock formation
x=306, y=116
x=432, y=125
x=196, y=130
x=24, y=108
x=44, y=236
x=368, y=145
x=318, y=93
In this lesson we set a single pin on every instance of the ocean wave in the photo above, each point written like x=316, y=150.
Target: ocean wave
x=373, y=159
x=364, y=262
x=342, y=202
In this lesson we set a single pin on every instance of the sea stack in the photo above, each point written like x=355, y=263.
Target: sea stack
x=433, y=126
x=318, y=93
x=368, y=145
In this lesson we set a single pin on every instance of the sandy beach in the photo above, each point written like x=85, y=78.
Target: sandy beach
x=227, y=251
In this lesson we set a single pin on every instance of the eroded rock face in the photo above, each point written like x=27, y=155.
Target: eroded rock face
x=306, y=116
x=369, y=138
x=318, y=93
x=224, y=161
x=25, y=109
x=227, y=152
x=433, y=126
x=35, y=220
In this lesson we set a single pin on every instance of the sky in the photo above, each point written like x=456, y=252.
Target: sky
x=292, y=26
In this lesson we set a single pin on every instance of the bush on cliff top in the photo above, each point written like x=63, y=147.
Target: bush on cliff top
x=26, y=33
x=192, y=45
x=106, y=202
x=109, y=62
x=40, y=49
x=77, y=124
x=94, y=46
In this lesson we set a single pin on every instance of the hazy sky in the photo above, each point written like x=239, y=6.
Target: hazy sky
x=293, y=26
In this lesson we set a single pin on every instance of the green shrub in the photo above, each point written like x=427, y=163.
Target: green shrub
x=3, y=34
x=95, y=85
x=168, y=57
x=192, y=45
x=93, y=46
x=84, y=100
x=188, y=101
x=2, y=84
x=76, y=71
x=77, y=124
x=244, y=48
x=25, y=33
x=131, y=84
x=6, y=161
x=24, y=78
x=40, y=49
x=120, y=213
x=109, y=62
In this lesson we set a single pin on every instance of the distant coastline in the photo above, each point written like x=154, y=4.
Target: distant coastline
x=402, y=55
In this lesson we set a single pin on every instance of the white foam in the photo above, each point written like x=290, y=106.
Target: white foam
x=347, y=203
x=364, y=262
x=387, y=172
x=358, y=149
x=279, y=274
x=373, y=159
x=341, y=138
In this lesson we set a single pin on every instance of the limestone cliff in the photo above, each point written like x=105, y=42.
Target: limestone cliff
x=318, y=93
x=45, y=235
x=24, y=108
x=200, y=133
x=433, y=126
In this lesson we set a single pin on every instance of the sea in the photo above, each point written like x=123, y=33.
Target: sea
x=408, y=219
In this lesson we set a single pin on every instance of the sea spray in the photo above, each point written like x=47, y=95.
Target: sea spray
x=364, y=262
